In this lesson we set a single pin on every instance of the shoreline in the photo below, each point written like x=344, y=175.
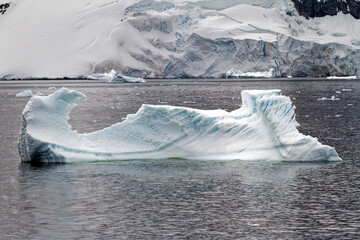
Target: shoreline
x=186, y=79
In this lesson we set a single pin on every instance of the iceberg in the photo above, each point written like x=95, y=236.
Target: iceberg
x=333, y=98
x=233, y=73
x=24, y=94
x=115, y=77
x=263, y=129
x=126, y=79
x=342, y=77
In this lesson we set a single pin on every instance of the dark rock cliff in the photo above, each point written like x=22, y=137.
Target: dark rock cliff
x=316, y=8
x=3, y=7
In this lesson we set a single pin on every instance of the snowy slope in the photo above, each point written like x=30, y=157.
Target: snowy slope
x=198, y=38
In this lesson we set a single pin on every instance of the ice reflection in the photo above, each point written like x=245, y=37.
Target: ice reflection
x=157, y=198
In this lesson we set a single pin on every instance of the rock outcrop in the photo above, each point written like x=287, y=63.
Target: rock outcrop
x=3, y=7
x=321, y=8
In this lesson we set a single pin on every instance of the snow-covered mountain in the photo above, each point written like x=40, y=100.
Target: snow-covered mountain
x=171, y=39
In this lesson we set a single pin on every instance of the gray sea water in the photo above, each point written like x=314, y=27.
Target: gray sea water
x=179, y=199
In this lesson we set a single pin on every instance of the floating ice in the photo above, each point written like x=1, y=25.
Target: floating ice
x=24, y=94
x=52, y=88
x=239, y=74
x=333, y=98
x=345, y=77
x=114, y=77
x=263, y=129
x=126, y=79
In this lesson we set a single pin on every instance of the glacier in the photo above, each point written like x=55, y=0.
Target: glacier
x=263, y=129
x=174, y=39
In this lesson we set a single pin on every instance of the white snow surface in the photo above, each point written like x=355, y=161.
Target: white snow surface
x=55, y=39
x=263, y=129
x=114, y=77
x=233, y=73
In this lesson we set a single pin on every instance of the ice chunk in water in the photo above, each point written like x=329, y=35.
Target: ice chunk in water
x=263, y=129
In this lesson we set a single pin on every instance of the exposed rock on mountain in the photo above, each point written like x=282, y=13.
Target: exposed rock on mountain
x=3, y=7
x=321, y=8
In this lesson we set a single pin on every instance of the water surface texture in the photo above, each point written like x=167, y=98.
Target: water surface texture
x=178, y=199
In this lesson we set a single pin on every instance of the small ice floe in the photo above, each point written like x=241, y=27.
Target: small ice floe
x=333, y=98
x=233, y=73
x=337, y=92
x=39, y=94
x=115, y=77
x=342, y=77
x=25, y=94
x=126, y=79
x=52, y=88
x=347, y=90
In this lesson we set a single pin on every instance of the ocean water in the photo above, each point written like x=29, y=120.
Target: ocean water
x=179, y=199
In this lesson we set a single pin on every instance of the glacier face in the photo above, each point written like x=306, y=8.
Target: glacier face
x=263, y=129
x=173, y=39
